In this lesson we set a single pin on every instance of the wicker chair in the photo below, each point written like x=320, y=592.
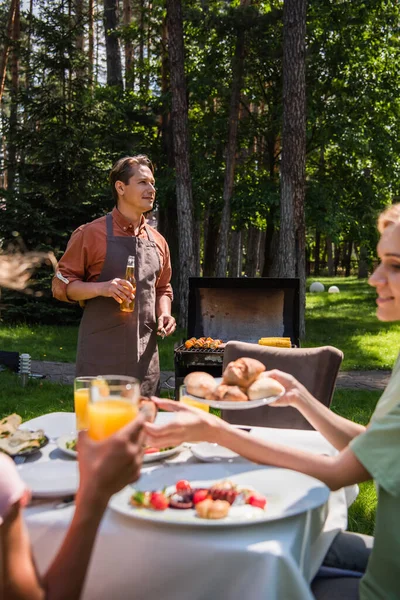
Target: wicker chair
x=315, y=368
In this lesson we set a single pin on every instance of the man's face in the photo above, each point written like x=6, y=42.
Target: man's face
x=139, y=193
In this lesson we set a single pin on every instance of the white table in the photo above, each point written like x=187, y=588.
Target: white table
x=136, y=560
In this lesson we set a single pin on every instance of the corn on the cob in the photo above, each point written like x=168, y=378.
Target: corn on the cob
x=278, y=342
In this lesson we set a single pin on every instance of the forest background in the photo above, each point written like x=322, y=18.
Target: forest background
x=228, y=99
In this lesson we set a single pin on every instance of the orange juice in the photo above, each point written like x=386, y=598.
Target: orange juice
x=81, y=400
x=108, y=416
x=191, y=402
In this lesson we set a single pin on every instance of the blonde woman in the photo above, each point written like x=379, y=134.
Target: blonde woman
x=364, y=453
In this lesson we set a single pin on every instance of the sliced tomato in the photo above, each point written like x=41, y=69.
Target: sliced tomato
x=151, y=450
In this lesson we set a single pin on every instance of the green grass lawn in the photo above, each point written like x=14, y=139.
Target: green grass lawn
x=346, y=320
x=44, y=342
x=40, y=397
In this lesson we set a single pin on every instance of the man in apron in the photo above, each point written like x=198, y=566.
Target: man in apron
x=92, y=272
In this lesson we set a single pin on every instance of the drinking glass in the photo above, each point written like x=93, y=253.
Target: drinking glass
x=190, y=402
x=81, y=401
x=113, y=403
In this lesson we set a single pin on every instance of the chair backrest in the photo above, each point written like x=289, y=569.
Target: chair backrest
x=315, y=368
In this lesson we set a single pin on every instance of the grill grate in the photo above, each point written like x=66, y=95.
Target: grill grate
x=183, y=350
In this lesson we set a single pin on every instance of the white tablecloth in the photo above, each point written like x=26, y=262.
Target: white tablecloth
x=142, y=561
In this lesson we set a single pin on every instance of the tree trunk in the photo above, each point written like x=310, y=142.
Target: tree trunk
x=230, y=160
x=141, y=44
x=180, y=135
x=78, y=17
x=28, y=47
x=235, y=254
x=261, y=254
x=317, y=252
x=336, y=260
x=269, y=237
x=12, y=148
x=113, y=54
x=169, y=216
x=363, y=263
x=91, y=40
x=129, y=73
x=348, y=258
x=210, y=245
x=253, y=250
x=329, y=252
x=7, y=45
x=291, y=258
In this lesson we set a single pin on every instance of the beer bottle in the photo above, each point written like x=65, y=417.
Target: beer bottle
x=130, y=276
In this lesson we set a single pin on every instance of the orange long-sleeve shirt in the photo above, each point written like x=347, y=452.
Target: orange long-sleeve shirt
x=86, y=251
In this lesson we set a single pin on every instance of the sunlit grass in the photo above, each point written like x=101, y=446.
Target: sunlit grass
x=348, y=321
x=58, y=343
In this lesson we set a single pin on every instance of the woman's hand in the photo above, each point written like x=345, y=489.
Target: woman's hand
x=108, y=466
x=190, y=425
x=294, y=390
x=119, y=289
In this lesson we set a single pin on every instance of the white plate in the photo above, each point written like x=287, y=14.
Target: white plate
x=228, y=404
x=288, y=493
x=50, y=479
x=208, y=452
x=62, y=444
x=54, y=424
x=161, y=455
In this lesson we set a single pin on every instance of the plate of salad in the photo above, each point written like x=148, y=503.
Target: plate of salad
x=67, y=444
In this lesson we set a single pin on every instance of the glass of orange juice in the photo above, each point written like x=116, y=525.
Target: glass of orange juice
x=185, y=399
x=113, y=403
x=81, y=400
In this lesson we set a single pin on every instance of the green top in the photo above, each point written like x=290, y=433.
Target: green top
x=391, y=396
x=378, y=449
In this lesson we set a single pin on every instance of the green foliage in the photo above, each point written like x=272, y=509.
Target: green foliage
x=69, y=132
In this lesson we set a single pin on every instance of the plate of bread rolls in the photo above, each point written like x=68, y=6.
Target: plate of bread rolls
x=243, y=385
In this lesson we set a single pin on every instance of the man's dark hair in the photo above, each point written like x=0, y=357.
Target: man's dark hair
x=125, y=167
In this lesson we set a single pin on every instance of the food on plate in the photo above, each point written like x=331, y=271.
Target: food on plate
x=200, y=384
x=233, y=393
x=243, y=379
x=148, y=407
x=212, y=509
x=242, y=372
x=264, y=387
x=151, y=450
x=72, y=445
x=22, y=440
x=213, y=502
x=9, y=425
x=255, y=499
x=203, y=342
x=224, y=490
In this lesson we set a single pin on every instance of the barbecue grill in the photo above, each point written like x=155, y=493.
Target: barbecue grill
x=241, y=309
